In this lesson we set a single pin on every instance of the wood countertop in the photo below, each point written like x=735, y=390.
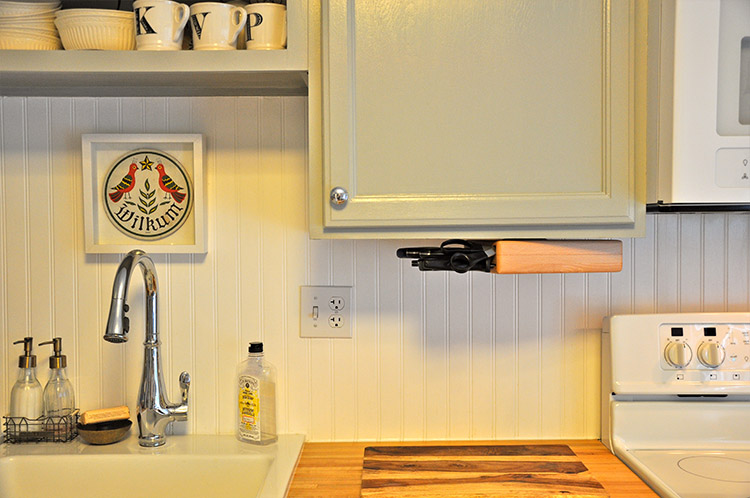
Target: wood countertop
x=332, y=470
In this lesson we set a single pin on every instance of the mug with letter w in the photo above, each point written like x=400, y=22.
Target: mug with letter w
x=159, y=24
x=266, y=26
x=216, y=26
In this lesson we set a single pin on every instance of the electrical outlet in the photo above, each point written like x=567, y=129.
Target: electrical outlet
x=336, y=321
x=325, y=311
x=336, y=303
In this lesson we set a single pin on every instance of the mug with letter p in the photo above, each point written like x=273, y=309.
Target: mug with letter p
x=159, y=24
x=266, y=26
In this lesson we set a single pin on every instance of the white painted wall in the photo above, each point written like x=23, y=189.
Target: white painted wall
x=433, y=356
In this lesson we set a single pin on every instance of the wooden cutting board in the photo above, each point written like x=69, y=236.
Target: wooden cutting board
x=545, y=470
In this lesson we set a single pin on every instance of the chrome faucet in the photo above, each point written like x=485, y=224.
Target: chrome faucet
x=154, y=410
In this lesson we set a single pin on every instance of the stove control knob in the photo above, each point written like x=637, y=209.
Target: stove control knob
x=678, y=354
x=711, y=354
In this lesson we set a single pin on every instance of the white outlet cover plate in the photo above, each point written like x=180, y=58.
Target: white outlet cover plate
x=326, y=299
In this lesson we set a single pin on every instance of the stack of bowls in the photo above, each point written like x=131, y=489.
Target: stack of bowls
x=96, y=29
x=28, y=25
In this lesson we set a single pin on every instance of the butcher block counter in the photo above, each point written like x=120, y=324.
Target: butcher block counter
x=552, y=468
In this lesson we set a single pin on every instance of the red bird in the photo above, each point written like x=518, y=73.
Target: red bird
x=125, y=186
x=168, y=185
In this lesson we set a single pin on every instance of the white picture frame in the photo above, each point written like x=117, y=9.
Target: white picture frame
x=99, y=154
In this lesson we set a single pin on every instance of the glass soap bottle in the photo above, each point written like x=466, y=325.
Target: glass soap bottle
x=59, y=398
x=256, y=395
x=26, y=395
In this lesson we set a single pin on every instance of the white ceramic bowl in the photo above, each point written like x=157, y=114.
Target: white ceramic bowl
x=30, y=4
x=94, y=14
x=15, y=8
x=17, y=39
x=39, y=24
x=37, y=34
x=94, y=32
x=47, y=14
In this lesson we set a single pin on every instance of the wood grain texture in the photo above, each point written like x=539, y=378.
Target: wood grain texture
x=558, y=256
x=335, y=470
x=405, y=471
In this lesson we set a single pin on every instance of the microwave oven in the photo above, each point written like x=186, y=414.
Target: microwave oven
x=699, y=154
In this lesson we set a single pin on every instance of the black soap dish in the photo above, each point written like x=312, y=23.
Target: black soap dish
x=105, y=432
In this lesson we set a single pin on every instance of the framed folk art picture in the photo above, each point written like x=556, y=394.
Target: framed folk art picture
x=143, y=191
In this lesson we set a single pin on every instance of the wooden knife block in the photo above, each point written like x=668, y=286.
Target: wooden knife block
x=557, y=256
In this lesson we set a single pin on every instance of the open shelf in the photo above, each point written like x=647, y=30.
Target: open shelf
x=133, y=73
x=97, y=73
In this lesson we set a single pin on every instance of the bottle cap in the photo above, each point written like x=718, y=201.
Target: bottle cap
x=255, y=347
x=26, y=360
x=58, y=360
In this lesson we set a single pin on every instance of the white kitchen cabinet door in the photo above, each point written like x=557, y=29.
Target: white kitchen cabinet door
x=478, y=118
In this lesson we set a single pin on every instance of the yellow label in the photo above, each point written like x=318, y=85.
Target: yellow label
x=249, y=408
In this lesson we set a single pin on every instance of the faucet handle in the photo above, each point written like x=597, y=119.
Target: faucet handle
x=184, y=386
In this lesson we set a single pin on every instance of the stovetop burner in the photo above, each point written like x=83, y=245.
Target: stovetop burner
x=696, y=474
x=717, y=468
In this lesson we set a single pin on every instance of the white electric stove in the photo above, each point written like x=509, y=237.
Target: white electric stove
x=676, y=401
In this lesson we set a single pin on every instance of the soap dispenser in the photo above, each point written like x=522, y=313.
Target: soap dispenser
x=256, y=394
x=59, y=398
x=26, y=395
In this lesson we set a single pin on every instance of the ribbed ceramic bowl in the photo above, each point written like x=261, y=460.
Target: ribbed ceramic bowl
x=15, y=8
x=94, y=14
x=50, y=14
x=46, y=24
x=20, y=39
x=97, y=32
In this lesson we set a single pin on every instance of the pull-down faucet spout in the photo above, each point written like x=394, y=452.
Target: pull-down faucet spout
x=154, y=410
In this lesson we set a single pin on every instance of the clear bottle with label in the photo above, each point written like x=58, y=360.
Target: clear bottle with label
x=256, y=398
x=26, y=395
x=59, y=398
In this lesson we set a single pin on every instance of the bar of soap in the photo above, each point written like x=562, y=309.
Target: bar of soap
x=105, y=415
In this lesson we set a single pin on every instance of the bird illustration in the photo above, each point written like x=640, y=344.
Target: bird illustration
x=168, y=185
x=125, y=186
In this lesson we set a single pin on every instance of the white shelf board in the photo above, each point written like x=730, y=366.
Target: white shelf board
x=125, y=73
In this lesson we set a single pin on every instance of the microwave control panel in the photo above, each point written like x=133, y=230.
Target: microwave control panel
x=733, y=167
x=717, y=351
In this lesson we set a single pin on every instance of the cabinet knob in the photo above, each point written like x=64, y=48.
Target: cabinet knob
x=339, y=196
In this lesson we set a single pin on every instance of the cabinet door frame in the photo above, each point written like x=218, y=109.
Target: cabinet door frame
x=331, y=25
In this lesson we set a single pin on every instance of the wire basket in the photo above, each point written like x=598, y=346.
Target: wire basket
x=41, y=430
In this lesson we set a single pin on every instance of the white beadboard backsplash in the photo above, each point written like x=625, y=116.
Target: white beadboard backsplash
x=433, y=355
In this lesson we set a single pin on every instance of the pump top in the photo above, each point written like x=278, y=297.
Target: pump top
x=26, y=360
x=58, y=360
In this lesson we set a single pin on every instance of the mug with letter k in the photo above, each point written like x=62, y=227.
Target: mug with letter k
x=159, y=24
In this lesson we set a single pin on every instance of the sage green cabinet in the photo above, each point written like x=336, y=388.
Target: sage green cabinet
x=506, y=118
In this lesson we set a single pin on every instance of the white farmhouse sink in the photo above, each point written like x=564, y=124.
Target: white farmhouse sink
x=187, y=466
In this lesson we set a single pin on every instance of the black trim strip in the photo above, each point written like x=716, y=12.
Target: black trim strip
x=661, y=207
